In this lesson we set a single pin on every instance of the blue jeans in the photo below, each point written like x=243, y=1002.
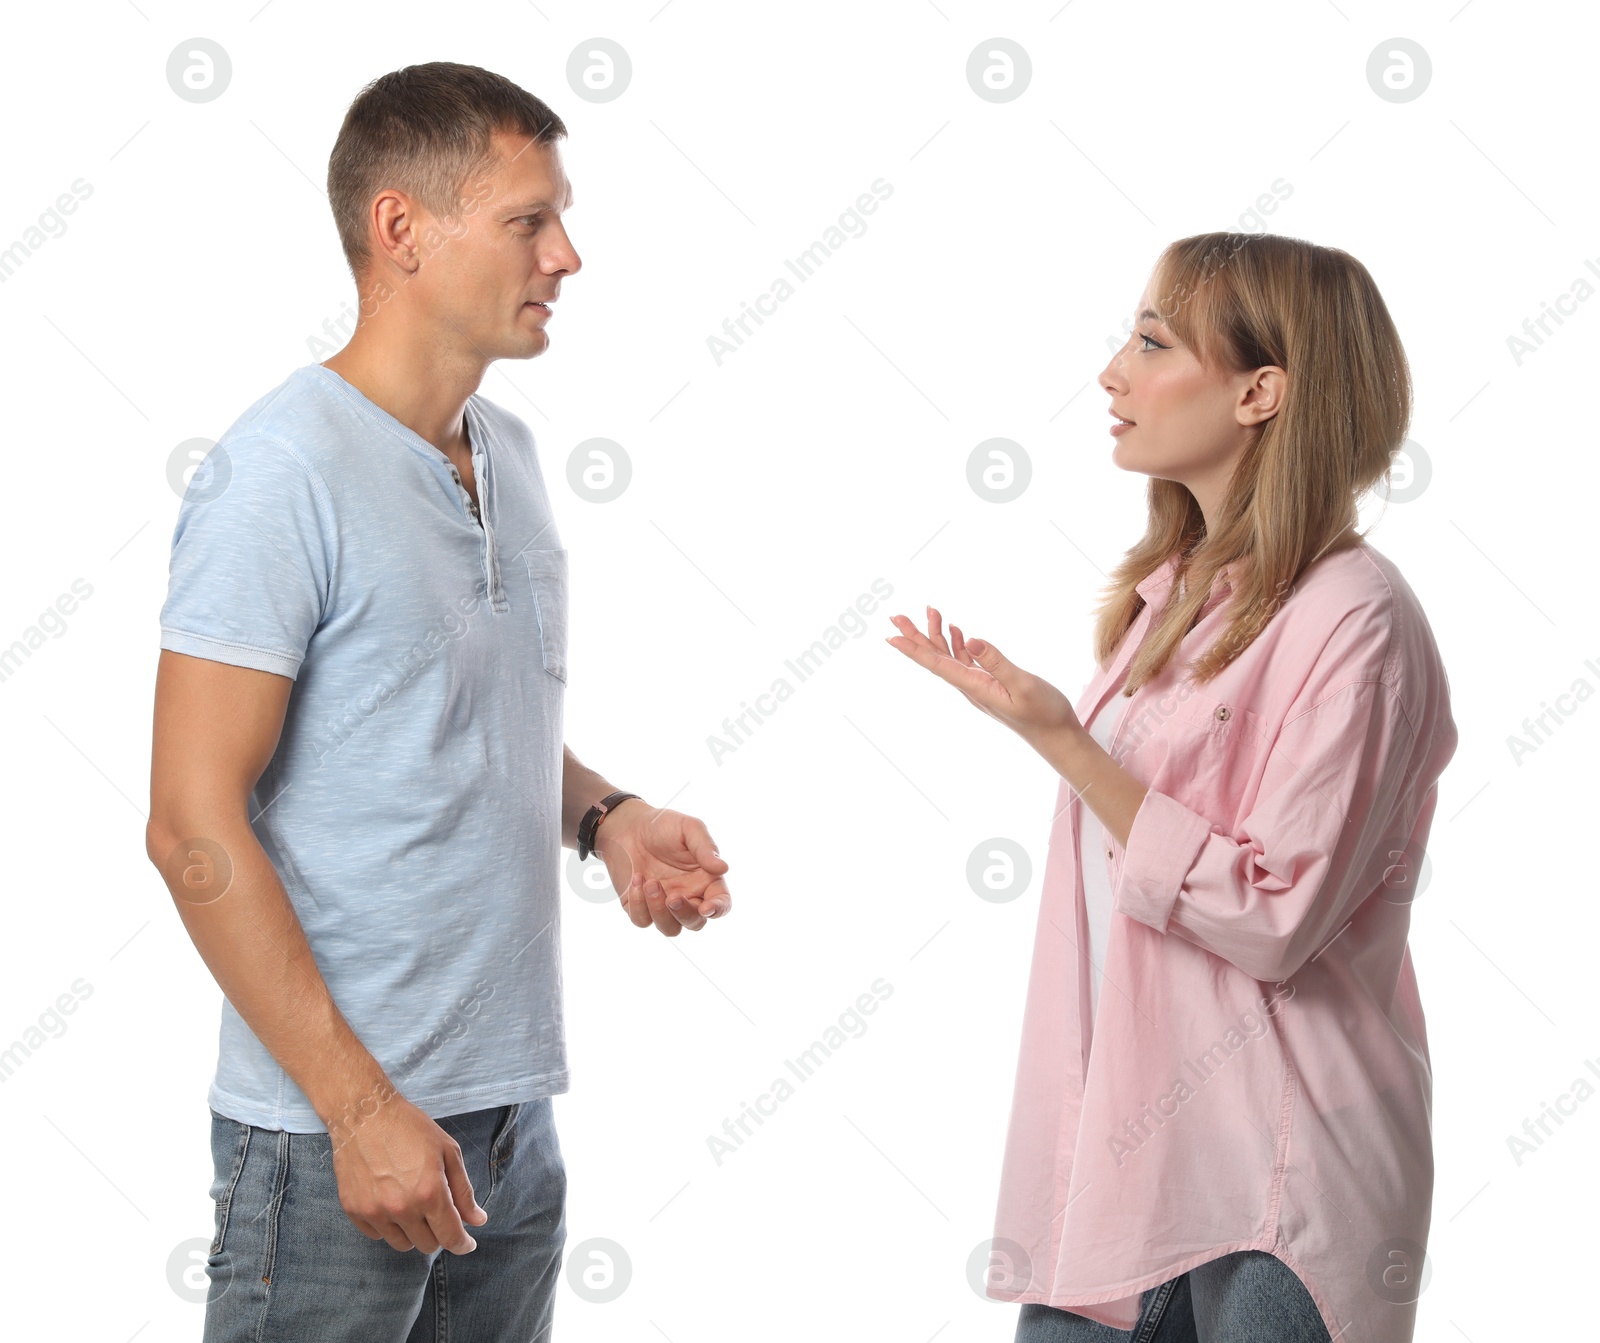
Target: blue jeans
x=288, y=1266
x=1246, y=1297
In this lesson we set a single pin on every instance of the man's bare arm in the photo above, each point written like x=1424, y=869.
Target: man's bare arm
x=216, y=727
x=581, y=788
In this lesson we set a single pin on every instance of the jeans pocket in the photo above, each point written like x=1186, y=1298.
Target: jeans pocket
x=230, y=1141
x=503, y=1145
x=547, y=574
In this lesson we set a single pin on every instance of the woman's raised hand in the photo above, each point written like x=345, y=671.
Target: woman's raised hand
x=1031, y=707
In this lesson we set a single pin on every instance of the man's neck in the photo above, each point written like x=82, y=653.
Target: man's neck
x=421, y=391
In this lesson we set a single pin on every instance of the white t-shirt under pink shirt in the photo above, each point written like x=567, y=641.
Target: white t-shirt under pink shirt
x=1092, y=846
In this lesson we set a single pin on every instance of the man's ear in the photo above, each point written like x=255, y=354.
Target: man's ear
x=394, y=220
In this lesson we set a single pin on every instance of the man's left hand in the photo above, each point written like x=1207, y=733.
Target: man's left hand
x=664, y=866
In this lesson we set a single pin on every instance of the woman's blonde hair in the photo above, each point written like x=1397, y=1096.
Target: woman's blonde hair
x=1241, y=301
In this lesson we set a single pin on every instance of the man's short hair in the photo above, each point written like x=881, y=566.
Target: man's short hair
x=426, y=131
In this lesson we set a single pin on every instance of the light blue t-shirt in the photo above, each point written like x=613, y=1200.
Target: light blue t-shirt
x=413, y=805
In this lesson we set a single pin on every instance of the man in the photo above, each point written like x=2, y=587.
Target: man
x=359, y=788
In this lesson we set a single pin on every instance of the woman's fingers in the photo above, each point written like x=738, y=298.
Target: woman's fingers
x=941, y=663
x=956, y=649
x=911, y=634
x=922, y=648
x=933, y=639
x=962, y=653
x=960, y=669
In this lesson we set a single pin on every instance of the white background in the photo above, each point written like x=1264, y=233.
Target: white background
x=768, y=494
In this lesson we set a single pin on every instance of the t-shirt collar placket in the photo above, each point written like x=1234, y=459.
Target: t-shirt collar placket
x=483, y=472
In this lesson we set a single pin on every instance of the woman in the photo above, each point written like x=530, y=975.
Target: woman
x=1220, y=1127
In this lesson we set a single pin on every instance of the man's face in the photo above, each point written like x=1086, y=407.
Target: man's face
x=487, y=273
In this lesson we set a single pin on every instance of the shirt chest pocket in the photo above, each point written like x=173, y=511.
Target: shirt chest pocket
x=1206, y=739
x=547, y=576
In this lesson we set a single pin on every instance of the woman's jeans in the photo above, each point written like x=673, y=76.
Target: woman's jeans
x=1246, y=1297
x=288, y=1266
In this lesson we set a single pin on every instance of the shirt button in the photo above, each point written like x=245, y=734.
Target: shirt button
x=1223, y=713
x=1108, y=851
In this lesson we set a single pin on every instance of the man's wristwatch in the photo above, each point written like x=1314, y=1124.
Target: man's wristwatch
x=591, y=819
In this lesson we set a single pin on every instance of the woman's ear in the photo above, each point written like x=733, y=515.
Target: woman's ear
x=1262, y=396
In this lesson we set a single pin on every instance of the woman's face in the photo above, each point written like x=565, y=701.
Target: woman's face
x=1189, y=424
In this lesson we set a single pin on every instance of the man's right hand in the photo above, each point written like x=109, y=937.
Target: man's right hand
x=401, y=1179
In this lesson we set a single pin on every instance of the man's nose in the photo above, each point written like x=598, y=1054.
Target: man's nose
x=567, y=257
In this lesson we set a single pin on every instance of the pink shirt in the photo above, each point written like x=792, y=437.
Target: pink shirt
x=1257, y=1077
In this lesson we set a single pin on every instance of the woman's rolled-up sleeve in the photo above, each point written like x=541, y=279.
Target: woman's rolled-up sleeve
x=1325, y=821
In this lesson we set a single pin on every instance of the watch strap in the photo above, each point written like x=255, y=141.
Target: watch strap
x=592, y=818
